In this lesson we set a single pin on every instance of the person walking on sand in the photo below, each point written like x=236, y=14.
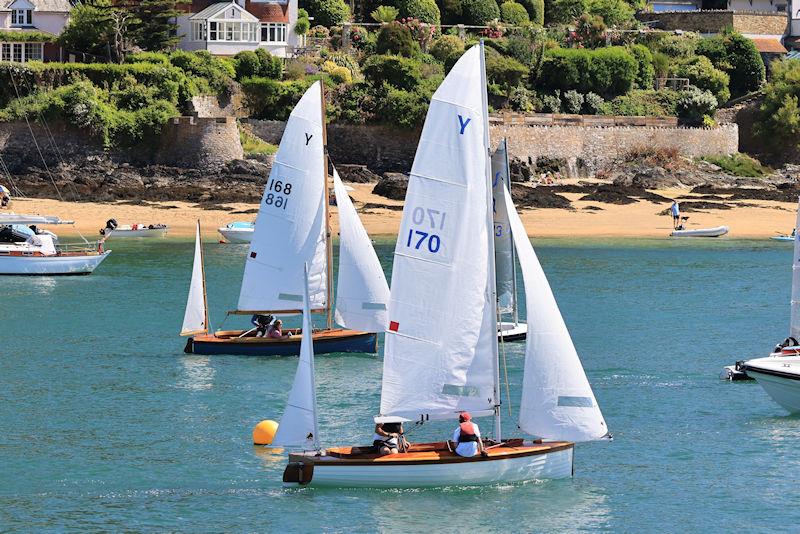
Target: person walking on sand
x=675, y=209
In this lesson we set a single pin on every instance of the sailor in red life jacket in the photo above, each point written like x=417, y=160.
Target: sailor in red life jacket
x=468, y=436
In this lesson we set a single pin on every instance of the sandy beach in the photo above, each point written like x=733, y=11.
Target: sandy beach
x=747, y=219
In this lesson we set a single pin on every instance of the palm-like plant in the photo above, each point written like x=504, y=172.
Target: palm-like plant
x=385, y=14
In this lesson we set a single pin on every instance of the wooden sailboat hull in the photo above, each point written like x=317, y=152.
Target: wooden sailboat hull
x=432, y=468
x=325, y=341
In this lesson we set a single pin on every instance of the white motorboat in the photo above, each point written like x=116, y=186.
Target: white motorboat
x=511, y=331
x=717, y=231
x=441, y=353
x=40, y=255
x=238, y=232
x=113, y=229
x=783, y=238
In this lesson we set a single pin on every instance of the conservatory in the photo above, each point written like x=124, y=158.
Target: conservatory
x=223, y=28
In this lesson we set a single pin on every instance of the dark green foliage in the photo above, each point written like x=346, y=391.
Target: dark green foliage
x=327, y=12
x=402, y=108
x=661, y=64
x=607, y=71
x=513, y=13
x=646, y=72
x=272, y=99
x=646, y=103
x=738, y=165
x=694, y=105
x=395, y=39
x=398, y=71
x=702, y=74
x=737, y=55
x=613, y=12
x=504, y=71
x=154, y=26
x=535, y=9
x=303, y=24
x=445, y=46
x=212, y=73
x=590, y=32
x=26, y=36
x=479, y=12
x=157, y=58
x=451, y=11
x=353, y=104
x=247, y=64
x=778, y=123
x=424, y=10
x=563, y=11
x=89, y=30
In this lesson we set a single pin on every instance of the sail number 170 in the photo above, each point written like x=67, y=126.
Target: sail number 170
x=424, y=236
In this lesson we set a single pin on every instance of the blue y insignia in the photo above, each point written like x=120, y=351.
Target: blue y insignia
x=463, y=124
x=308, y=138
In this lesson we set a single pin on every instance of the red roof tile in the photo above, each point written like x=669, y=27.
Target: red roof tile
x=769, y=46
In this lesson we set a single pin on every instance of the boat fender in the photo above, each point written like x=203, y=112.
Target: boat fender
x=467, y=432
x=298, y=473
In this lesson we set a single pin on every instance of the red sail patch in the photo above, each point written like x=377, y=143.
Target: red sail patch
x=394, y=326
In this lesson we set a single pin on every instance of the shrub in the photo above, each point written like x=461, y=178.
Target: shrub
x=302, y=24
x=646, y=71
x=272, y=99
x=644, y=102
x=395, y=39
x=338, y=74
x=661, y=64
x=451, y=13
x=563, y=11
x=593, y=103
x=247, y=64
x=445, y=46
x=157, y=58
x=385, y=14
x=270, y=66
x=513, y=13
x=590, y=32
x=778, y=121
x=479, y=12
x=424, y=10
x=504, y=71
x=738, y=57
x=606, y=71
x=398, y=71
x=535, y=9
x=551, y=103
x=702, y=74
x=328, y=12
x=522, y=99
x=201, y=64
x=738, y=165
x=695, y=104
x=573, y=102
x=613, y=12
x=319, y=32
x=402, y=108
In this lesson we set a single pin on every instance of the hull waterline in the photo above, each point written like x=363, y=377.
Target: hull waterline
x=325, y=342
x=701, y=232
x=236, y=235
x=512, y=331
x=143, y=233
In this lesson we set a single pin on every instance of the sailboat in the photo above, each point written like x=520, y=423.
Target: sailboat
x=779, y=373
x=195, y=318
x=505, y=267
x=441, y=351
x=292, y=230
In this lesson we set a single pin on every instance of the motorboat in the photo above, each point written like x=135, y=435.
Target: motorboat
x=292, y=229
x=786, y=238
x=112, y=229
x=40, y=254
x=441, y=353
x=237, y=232
x=717, y=231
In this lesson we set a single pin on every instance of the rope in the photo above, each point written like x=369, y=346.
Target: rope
x=505, y=366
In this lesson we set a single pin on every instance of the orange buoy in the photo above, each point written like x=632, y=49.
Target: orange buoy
x=264, y=432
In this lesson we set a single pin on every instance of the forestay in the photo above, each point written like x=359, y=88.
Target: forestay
x=290, y=227
x=439, y=358
x=195, y=316
x=503, y=245
x=298, y=426
x=362, y=294
x=794, y=327
x=557, y=400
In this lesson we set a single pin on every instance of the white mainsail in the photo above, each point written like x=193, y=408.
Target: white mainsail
x=299, y=426
x=195, y=318
x=557, y=400
x=440, y=344
x=794, y=327
x=291, y=223
x=503, y=244
x=362, y=294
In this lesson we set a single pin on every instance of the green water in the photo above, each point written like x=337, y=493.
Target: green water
x=106, y=425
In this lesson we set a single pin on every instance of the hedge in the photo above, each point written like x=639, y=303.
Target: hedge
x=424, y=10
x=272, y=99
x=606, y=71
x=26, y=36
x=398, y=71
x=479, y=12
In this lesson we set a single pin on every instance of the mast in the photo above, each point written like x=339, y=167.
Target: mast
x=203, y=270
x=515, y=305
x=490, y=236
x=328, y=243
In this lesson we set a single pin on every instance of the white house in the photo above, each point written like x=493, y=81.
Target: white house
x=226, y=28
x=29, y=19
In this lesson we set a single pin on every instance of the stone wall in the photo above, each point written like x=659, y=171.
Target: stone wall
x=749, y=22
x=200, y=142
x=586, y=147
x=209, y=106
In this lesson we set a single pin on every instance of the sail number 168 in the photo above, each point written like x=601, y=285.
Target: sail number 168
x=278, y=193
x=424, y=236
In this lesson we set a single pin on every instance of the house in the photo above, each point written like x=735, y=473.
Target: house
x=227, y=28
x=28, y=29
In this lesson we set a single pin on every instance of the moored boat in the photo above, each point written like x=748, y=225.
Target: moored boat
x=237, y=232
x=113, y=229
x=717, y=231
x=441, y=354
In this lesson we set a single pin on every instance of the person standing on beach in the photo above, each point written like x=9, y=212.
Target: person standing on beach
x=676, y=214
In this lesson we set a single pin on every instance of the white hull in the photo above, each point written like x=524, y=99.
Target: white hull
x=50, y=265
x=144, y=232
x=780, y=378
x=701, y=232
x=236, y=235
x=785, y=238
x=552, y=465
x=511, y=331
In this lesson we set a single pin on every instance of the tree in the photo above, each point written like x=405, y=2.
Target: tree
x=778, y=122
x=424, y=10
x=479, y=12
x=328, y=12
x=614, y=12
x=563, y=11
x=154, y=27
x=513, y=13
x=89, y=29
x=385, y=14
x=395, y=39
x=535, y=10
x=737, y=55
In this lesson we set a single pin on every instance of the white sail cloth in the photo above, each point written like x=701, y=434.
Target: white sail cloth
x=503, y=244
x=290, y=227
x=794, y=327
x=439, y=358
x=557, y=400
x=298, y=426
x=194, y=318
x=362, y=294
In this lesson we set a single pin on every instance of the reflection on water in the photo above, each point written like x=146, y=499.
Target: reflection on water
x=43, y=285
x=270, y=457
x=198, y=374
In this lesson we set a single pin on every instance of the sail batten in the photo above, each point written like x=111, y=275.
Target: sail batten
x=362, y=294
x=195, y=318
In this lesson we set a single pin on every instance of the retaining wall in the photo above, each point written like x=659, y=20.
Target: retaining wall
x=749, y=22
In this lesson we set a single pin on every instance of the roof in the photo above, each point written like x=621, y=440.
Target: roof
x=57, y=6
x=769, y=46
x=215, y=9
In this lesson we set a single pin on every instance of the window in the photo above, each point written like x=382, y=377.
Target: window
x=16, y=52
x=5, y=52
x=21, y=52
x=22, y=17
x=236, y=32
x=33, y=51
x=198, y=31
x=273, y=32
x=212, y=31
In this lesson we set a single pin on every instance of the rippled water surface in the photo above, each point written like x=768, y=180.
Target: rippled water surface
x=106, y=424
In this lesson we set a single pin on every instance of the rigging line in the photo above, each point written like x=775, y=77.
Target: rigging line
x=14, y=188
x=505, y=367
x=35, y=142
x=52, y=140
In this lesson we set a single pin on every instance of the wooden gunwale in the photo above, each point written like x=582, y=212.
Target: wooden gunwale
x=231, y=336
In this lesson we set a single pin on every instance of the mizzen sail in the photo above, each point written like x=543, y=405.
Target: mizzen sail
x=439, y=357
x=195, y=318
x=794, y=327
x=557, y=400
x=290, y=227
x=362, y=294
